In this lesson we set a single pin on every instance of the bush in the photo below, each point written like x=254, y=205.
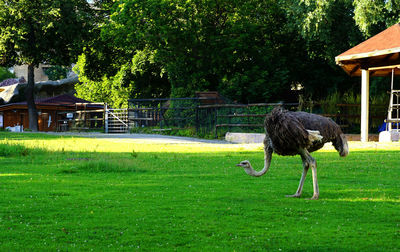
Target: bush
x=57, y=72
x=5, y=74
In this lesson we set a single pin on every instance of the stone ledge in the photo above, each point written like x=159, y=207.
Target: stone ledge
x=244, y=138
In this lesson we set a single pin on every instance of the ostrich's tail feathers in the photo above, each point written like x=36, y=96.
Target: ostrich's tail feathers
x=341, y=145
x=314, y=135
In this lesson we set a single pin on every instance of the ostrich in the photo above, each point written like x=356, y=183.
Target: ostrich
x=290, y=133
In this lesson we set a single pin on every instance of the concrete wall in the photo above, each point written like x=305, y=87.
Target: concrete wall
x=244, y=138
x=22, y=71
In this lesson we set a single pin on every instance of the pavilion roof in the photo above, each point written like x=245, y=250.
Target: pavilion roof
x=377, y=54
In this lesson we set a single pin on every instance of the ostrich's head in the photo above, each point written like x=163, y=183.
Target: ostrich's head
x=245, y=164
x=247, y=167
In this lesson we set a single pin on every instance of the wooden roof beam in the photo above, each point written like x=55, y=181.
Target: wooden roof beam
x=355, y=69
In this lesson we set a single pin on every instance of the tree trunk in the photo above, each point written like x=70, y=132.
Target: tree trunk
x=32, y=112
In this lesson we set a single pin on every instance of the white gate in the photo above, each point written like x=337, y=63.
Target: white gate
x=116, y=120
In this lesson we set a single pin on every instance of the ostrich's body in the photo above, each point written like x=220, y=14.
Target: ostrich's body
x=292, y=133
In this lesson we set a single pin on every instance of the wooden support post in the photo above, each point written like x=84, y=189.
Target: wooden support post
x=105, y=118
x=364, y=104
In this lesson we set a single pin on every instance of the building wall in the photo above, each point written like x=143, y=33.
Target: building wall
x=15, y=117
x=22, y=71
x=46, y=119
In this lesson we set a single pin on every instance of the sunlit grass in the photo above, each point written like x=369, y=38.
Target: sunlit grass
x=71, y=193
x=105, y=145
x=13, y=174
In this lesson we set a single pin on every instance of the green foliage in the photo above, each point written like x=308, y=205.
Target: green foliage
x=5, y=74
x=39, y=31
x=7, y=150
x=140, y=78
x=351, y=109
x=33, y=32
x=326, y=29
x=239, y=48
x=184, y=132
x=103, y=166
x=230, y=46
x=57, y=72
x=373, y=17
x=114, y=91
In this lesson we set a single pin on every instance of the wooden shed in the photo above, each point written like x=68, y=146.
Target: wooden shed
x=52, y=112
x=376, y=56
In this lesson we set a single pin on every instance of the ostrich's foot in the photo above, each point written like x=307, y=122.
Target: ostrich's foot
x=293, y=196
x=314, y=197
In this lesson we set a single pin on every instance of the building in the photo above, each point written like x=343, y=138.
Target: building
x=40, y=75
x=376, y=56
x=54, y=114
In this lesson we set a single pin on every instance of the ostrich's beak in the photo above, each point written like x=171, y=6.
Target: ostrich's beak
x=239, y=165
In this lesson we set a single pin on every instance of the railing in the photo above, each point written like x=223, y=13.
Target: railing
x=237, y=117
x=216, y=119
x=211, y=120
x=117, y=121
x=85, y=117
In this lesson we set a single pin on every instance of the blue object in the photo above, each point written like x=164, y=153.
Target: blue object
x=383, y=127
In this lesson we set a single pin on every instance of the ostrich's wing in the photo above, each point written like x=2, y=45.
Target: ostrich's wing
x=286, y=132
x=330, y=131
x=327, y=128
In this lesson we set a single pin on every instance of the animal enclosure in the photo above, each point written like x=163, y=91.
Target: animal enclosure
x=217, y=119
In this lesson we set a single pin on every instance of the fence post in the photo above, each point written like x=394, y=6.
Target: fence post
x=105, y=118
x=197, y=119
x=216, y=122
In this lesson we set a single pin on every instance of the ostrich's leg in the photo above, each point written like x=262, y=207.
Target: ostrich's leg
x=311, y=161
x=314, y=178
x=302, y=179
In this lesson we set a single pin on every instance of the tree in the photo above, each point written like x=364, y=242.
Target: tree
x=373, y=17
x=57, y=72
x=326, y=28
x=5, y=74
x=196, y=45
x=37, y=31
x=141, y=77
x=249, y=50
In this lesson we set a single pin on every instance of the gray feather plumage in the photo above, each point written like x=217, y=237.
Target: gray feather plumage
x=287, y=132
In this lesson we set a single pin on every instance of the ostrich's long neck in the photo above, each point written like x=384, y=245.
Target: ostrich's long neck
x=267, y=163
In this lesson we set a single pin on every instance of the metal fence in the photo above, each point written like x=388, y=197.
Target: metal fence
x=203, y=115
x=218, y=119
x=215, y=120
x=165, y=113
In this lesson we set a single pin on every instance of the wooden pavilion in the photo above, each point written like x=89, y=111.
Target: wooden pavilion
x=376, y=56
x=52, y=112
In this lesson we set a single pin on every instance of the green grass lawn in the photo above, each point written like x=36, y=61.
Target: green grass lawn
x=72, y=193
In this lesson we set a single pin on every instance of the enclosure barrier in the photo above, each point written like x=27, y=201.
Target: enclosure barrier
x=204, y=116
x=216, y=119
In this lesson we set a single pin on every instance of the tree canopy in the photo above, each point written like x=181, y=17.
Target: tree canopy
x=5, y=74
x=248, y=50
x=37, y=31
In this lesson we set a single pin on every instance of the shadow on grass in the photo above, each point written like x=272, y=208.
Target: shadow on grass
x=199, y=201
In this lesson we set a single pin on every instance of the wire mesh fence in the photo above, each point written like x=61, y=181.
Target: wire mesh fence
x=205, y=117
x=210, y=119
